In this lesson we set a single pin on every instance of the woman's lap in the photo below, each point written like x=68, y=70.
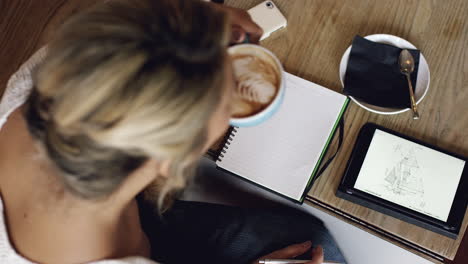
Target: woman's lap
x=194, y=232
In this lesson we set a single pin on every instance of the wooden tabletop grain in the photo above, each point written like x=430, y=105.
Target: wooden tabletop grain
x=311, y=47
x=318, y=33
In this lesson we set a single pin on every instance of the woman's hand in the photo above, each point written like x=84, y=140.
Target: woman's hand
x=294, y=251
x=242, y=24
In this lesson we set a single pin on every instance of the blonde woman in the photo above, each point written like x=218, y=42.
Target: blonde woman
x=129, y=92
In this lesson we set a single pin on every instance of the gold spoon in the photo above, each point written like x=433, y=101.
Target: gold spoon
x=406, y=62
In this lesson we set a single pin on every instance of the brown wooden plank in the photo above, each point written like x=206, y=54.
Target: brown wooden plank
x=26, y=25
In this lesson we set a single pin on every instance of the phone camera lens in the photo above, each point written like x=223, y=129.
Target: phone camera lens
x=270, y=5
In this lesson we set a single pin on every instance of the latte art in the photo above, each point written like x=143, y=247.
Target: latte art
x=257, y=84
x=253, y=80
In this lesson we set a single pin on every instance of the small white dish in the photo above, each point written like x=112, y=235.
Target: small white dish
x=422, y=82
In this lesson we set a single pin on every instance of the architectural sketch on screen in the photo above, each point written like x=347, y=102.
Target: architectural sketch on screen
x=410, y=175
x=404, y=178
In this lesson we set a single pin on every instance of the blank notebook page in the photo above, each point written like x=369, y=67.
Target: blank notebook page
x=281, y=153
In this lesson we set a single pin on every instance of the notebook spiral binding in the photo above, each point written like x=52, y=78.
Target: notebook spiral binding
x=229, y=137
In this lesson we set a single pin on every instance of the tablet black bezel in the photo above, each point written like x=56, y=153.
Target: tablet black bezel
x=356, y=160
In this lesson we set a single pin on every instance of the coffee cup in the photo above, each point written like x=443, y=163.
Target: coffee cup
x=260, y=84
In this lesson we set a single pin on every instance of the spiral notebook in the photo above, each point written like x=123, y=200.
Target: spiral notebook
x=283, y=154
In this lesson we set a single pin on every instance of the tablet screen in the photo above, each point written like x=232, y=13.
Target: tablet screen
x=410, y=175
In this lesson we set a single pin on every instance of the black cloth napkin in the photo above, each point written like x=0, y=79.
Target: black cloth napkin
x=373, y=74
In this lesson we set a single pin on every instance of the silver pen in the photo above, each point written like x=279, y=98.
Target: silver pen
x=290, y=261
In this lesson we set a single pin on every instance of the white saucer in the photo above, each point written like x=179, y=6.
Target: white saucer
x=422, y=83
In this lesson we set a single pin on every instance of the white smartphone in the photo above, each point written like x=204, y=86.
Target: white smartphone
x=268, y=17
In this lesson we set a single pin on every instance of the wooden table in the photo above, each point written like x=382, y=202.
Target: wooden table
x=318, y=33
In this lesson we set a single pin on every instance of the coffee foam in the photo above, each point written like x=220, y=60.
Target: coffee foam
x=258, y=80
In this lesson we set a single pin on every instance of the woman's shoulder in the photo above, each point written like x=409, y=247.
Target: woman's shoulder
x=9, y=255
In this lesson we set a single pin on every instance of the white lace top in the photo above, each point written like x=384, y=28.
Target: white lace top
x=16, y=93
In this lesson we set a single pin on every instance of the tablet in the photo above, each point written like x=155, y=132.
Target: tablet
x=408, y=179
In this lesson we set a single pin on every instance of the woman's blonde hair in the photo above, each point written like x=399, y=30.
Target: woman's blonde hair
x=127, y=81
